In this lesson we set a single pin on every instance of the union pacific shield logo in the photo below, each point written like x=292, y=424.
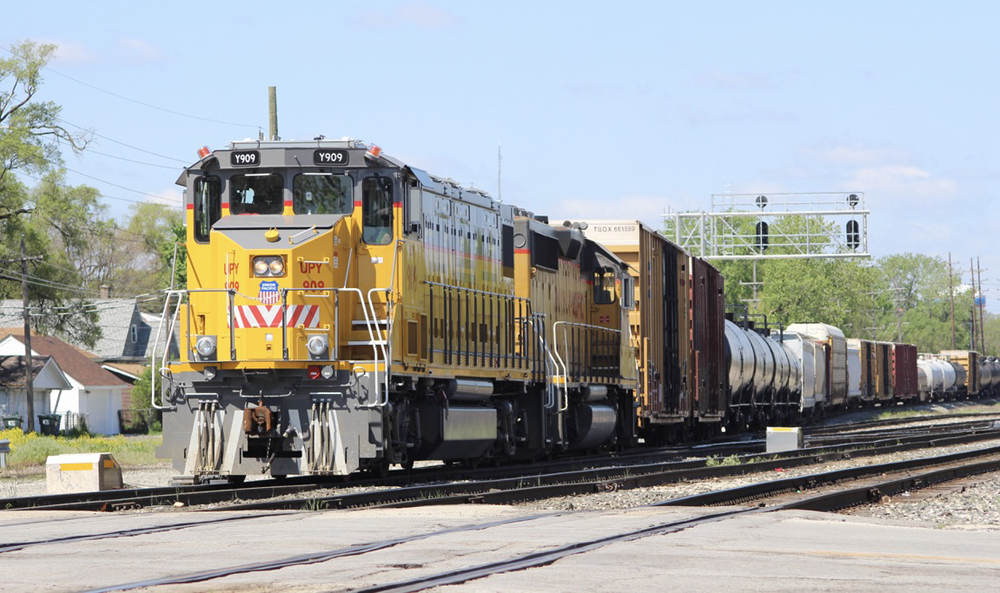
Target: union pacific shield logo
x=269, y=294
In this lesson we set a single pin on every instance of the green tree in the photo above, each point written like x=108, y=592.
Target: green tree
x=47, y=218
x=160, y=229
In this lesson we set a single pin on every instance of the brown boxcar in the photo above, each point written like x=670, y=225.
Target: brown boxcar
x=904, y=371
x=708, y=340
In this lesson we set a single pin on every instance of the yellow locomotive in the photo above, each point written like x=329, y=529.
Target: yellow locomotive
x=345, y=311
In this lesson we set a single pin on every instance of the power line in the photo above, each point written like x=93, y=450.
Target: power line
x=120, y=158
x=169, y=204
x=142, y=193
x=144, y=104
x=158, y=108
x=162, y=156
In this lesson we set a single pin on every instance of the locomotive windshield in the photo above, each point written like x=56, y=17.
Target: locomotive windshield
x=256, y=193
x=322, y=193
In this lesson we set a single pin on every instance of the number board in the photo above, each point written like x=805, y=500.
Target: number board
x=328, y=156
x=244, y=158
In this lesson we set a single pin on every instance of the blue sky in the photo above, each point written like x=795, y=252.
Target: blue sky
x=603, y=109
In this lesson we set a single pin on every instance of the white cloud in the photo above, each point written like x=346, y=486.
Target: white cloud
x=904, y=184
x=74, y=52
x=854, y=154
x=139, y=51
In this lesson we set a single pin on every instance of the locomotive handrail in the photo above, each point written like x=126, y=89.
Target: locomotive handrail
x=371, y=336
x=549, y=363
x=166, y=351
x=508, y=298
x=563, y=325
x=380, y=345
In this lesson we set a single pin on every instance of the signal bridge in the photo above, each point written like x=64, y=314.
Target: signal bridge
x=774, y=226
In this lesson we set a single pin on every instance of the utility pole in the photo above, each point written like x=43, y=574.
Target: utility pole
x=272, y=104
x=29, y=380
x=982, y=305
x=972, y=322
x=951, y=297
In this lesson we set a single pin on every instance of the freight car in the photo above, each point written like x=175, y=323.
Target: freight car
x=346, y=311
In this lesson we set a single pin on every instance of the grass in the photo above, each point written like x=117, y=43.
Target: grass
x=28, y=452
x=714, y=461
x=938, y=409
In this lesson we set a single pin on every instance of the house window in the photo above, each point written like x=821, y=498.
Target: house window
x=134, y=334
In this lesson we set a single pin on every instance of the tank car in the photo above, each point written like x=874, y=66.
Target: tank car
x=346, y=311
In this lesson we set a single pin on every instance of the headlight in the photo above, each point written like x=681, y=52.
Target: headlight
x=317, y=344
x=268, y=265
x=326, y=371
x=210, y=372
x=205, y=345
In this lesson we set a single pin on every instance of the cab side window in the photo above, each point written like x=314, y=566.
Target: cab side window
x=376, y=214
x=207, y=206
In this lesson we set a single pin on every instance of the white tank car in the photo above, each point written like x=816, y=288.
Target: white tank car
x=936, y=378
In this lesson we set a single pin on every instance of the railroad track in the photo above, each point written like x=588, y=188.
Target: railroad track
x=570, y=474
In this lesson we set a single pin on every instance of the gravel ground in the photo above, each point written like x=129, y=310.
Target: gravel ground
x=975, y=507
x=979, y=508
x=15, y=485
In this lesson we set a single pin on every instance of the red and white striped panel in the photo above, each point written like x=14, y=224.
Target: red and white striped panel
x=270, y=316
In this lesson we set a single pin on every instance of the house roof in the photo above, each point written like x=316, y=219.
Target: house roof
x=74, y=363
x=125, y=370
x=46, y=373
x=116, y=318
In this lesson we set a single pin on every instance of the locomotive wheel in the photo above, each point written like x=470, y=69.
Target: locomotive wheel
x=379, y=469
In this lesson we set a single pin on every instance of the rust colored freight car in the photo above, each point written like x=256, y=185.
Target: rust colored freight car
x=904, y=371
x=661, y=326
x=708, y=309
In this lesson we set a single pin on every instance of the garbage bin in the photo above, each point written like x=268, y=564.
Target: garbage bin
x=11, y=422
x=48, y=424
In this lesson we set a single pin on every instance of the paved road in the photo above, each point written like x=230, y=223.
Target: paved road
x=762, y=551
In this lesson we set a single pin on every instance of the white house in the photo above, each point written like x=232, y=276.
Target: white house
x=46, y=378
x=93, y=394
